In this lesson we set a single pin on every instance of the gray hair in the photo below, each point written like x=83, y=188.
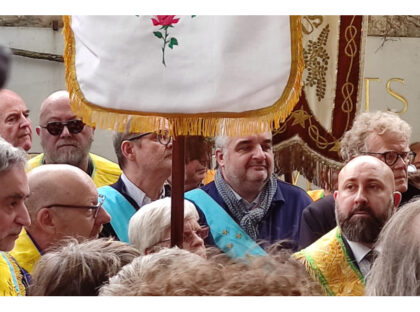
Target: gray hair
x=134, y=278
x=79, y=269
x=175, y=272
x=10, y=156
x=117, y=139
x=221, y=141
x=148, y=224
x=354, y=140
x=396, y=271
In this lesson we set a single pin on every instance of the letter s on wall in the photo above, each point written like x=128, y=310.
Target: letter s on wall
x=397, y=96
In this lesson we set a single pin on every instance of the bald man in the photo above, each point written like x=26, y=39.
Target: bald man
x=365, y=200
x=15, y=125
x=65, y=139
x=63, y=202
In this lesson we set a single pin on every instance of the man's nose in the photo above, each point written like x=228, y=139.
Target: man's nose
x=26, y=121
x=22, y=216
x=400, y=163
x=258, y=152
x=103, y=216
x=360, y=196
x=65, y=132
x=196, y=240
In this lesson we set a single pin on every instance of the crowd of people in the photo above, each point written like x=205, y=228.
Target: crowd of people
x=74, y=223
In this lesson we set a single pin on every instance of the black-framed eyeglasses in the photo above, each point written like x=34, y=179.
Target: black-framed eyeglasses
x=163, y=137
x=75, y=126
x=391, y=157
x=95, y=208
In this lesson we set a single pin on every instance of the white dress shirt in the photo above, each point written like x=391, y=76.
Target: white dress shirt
x=360, y=251
x=137, y=194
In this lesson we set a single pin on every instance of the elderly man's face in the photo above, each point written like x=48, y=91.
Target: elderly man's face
x=13, y=213
x=365, y=198
x=65, y=148
x=80, y=222
x=192, y=240
x=15, y=125
x=247, y=161
x=391, y=142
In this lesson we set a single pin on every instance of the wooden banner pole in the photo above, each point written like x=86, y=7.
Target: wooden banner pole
x=177, y=192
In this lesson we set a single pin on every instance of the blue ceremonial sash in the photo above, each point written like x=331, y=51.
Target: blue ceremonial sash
x=227, y=234
x=119, y=209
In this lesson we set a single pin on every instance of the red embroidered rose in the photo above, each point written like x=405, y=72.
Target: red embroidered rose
x=164, y=20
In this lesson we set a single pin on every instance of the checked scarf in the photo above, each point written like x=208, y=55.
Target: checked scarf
x=248, y=219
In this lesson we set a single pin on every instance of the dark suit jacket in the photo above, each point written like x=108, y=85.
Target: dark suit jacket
x=319, y=217
x=283, y=219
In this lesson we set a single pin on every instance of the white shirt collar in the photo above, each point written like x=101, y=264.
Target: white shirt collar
x=137, y=194
x=247, y=204
x=359, y=250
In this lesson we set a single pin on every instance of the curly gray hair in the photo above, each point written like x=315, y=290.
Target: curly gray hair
x=354, y=140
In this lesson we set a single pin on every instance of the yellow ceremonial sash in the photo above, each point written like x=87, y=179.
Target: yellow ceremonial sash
x=105, y=172
x=328, y=262
x=10, y=277
x=25, y=252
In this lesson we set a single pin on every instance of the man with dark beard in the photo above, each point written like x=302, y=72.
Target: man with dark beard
x=365, y=200
x=65, y=139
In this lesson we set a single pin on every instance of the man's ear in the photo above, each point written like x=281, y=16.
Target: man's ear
x=397, y=200
x=38, y=130
x=127, y=150
x=335, y=195
x=220, y=157
x=46, y=221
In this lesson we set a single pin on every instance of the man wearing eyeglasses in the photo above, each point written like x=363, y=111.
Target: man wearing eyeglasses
x=146, y=162
x=380, y=134
x=65, y=139
x=63, y=202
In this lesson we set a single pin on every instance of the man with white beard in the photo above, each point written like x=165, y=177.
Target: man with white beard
x=65, y=139
x=365, y=200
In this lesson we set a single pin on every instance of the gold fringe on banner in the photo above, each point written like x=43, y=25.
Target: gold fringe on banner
x=296, y=155
x=207, y=124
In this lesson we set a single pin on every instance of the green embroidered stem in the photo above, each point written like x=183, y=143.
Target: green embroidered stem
x=164, y=45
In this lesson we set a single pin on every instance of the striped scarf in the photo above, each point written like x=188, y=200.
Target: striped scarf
x=249, y=220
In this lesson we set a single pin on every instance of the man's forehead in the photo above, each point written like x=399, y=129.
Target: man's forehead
x=14, y=104
x=264, y=137
x=366, y=168
x=57, y=108
x=388, y=141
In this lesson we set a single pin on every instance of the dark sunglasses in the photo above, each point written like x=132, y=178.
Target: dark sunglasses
x=391, y=157
x=56, y=127
x=95, y=208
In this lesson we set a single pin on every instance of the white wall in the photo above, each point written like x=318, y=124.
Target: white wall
x=396, y=58
x=35, y=79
